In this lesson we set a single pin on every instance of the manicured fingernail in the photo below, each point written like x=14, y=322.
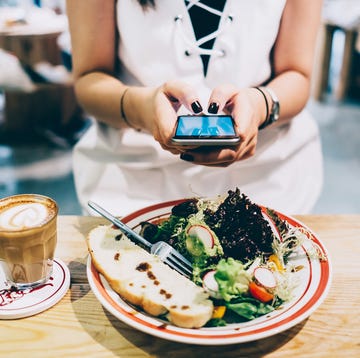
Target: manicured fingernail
x=186, y=157
x=213, y=108
x=196, y=107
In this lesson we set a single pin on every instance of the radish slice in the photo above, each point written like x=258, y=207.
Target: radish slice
x=210, y=285
x=203, y=234
x=265, y=277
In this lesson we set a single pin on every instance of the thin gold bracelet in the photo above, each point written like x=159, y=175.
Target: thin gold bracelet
x=123, y=115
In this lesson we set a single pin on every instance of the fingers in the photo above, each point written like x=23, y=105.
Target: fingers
x=185, y=94
x=211, y=156
x=163, y=122
x=226, y=98
x=176, y=93
x=240, y=104
x=220, y=96
x=221, y=156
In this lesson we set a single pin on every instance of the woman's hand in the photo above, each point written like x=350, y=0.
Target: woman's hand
x=159, y=112
x=247, y=107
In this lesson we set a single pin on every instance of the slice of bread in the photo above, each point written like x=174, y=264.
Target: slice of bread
x=144, y=280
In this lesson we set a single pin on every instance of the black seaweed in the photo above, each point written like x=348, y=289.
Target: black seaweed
x=186, y=208
x=148, y=231
x=241, y=228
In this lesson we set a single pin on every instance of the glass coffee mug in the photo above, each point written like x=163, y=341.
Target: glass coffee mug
x=28, y=235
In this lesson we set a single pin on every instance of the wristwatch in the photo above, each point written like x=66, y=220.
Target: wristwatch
x=275, y=108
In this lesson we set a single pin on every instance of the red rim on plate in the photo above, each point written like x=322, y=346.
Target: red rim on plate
x=315, y=281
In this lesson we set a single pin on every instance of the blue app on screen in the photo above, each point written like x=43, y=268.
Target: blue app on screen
x=205, y=126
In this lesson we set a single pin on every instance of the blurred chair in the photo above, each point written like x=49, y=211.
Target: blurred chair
x=344, y=16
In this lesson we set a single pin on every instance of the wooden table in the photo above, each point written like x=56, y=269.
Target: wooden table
x=78, y=326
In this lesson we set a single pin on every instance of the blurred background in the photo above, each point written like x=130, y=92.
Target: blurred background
x=40, y=120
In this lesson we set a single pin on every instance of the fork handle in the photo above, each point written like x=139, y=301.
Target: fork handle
x=130, y=233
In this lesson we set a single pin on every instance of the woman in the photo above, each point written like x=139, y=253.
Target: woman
x=191, y=57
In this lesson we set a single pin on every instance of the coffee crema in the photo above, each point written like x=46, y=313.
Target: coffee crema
x=22, y=216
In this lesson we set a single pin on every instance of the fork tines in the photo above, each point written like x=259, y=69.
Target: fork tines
x=184, y=267
x=174, y=259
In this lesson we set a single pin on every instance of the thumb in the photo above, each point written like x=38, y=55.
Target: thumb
x=183, y=93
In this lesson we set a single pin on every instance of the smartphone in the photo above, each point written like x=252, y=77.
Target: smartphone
x=205, y=130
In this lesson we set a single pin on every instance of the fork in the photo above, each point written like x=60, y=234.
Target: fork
x=162, y=249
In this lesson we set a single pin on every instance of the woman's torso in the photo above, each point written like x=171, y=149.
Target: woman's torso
x=155, y=46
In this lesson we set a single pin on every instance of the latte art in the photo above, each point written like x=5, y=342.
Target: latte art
x=23, y=216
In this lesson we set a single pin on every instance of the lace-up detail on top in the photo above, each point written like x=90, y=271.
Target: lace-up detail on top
x=205, y=17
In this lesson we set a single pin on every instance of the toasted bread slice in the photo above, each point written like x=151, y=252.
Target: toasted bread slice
x=144, y=280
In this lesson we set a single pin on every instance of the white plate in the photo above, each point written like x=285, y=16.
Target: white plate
x=24, y=303
x=315, y=278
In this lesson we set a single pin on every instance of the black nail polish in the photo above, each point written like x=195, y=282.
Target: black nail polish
x=186, y=157
x=196, y=107
x=213, y=108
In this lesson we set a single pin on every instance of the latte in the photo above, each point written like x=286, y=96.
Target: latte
x=28, y=237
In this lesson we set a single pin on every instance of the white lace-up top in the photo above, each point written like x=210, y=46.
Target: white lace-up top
x=125, y=170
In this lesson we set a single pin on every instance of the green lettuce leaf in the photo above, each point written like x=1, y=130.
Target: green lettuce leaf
x=249, y=308
x=232, y=278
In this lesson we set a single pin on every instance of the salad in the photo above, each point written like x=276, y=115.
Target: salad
x=240, y=252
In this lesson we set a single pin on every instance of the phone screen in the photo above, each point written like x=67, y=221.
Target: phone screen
x=212, y=129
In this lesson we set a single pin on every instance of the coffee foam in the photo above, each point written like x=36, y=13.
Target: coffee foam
x=22, y=216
